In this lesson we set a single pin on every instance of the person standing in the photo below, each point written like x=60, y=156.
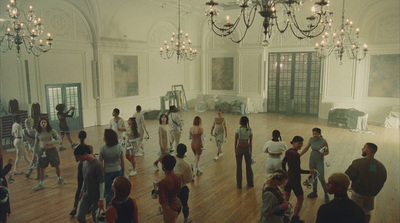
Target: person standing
x=319, y=149
x=168, y=189
x=341, y=208
x=175, y=125
x=64, y=129
x=196, y=135
x=164, y=139
x=141, y=125
x=122, y=208
x=111, y=157
x=117, y=124
x=367, y=176
x=82, y=137
x=183, y=168
x=292, y=158
x=274, y=206
x=243, y=147
x=220, y=132
x=274, y=147
x=29, y=138
x=132, y=137
x=5, y=209
x=19, y=145
x=92, y=192
x=45, y=141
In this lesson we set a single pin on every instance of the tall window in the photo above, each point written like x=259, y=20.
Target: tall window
x=293, y=83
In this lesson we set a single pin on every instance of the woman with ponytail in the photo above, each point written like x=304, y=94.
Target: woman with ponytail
x=82, y=136
x=274, y=147
x=243, y=147
x=122, y=208
x=274, y=206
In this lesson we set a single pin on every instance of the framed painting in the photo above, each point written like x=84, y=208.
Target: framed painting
x=384, y=76
x=126, y=77
x=222, y=73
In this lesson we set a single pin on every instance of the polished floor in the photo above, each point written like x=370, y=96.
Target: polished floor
x=213, y=195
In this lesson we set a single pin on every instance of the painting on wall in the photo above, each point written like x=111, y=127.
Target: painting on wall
x=126, y=77
x=222, y=73
x=384, y=76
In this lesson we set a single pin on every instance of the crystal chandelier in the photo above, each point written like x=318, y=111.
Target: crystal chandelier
x=179, y=44
x=342, y=40
x=315, y=23
x=23, y=30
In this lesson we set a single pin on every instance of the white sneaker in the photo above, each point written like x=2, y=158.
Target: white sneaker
x=203, y=148
x=216, y=158
x=159, y=211
x=138, y=154
x=199, y=171
x=38, y=187
x=220, y=154
x=132, y=173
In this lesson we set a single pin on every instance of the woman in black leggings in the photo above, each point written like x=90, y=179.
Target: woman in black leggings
x=82, y=137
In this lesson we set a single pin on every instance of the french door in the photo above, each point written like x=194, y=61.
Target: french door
x=70, y=96
x=294, y=82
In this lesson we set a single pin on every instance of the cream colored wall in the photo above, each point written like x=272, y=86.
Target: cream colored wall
x=87, y=31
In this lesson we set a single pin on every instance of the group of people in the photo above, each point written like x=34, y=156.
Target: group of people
x=367, y=175
x=105, y=177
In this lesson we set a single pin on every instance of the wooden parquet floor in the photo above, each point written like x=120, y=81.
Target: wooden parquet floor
x=213, y=195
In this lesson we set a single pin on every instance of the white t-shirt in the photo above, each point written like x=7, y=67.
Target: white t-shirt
x=275, y=147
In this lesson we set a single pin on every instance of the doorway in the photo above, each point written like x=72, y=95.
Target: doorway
x=294, y=83
x=70, y=96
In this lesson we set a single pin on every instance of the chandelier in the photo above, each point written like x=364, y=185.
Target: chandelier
x=23, y=30
x=342, y=40
x=315, y=23
x=179, y=44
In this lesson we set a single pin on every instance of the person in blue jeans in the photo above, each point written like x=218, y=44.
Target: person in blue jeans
x=111, y=156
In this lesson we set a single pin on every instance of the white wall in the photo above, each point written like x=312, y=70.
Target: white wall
x=86, y=31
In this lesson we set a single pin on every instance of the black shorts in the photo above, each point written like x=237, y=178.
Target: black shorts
x=295, y=185
x=51, y=157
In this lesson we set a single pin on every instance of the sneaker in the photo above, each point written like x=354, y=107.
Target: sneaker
x=138, y=154
x=220, y=155
x=62, y=148
x=253, y=162
x=73, y=212
x=18, y=172
x=326, y=198
x=62, y=181
x=312, y=195
x=73, y=145
x=11, y=179
x=203, y=148
x=132, y=173
x=159, y=211
x=187, y=220
x=38, y=187
x=216, y=158
x=199, y=171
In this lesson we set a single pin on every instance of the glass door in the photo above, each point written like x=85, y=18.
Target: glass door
x=293, y=83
